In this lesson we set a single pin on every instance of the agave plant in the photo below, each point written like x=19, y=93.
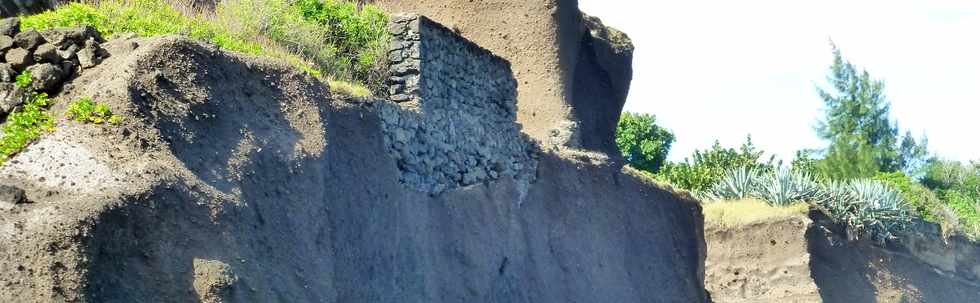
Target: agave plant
x=787, y=186
x=866, y=207
x=735, y=184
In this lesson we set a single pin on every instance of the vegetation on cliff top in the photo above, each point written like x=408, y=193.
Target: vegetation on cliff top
x=330, y=39
x=869, y=177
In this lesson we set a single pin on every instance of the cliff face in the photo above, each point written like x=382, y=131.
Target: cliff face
x=235, y=179
x=801, y=259
x=572, y=72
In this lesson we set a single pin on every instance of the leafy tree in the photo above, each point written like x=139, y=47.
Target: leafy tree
x=705, y=168
x=863, y=138
x=643, y=143
x=913, y=155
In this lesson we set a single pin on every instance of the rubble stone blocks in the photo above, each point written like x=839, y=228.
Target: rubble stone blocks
x=52, y=56
x=452, y=113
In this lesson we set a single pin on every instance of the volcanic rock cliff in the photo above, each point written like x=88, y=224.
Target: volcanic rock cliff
x=239, y=179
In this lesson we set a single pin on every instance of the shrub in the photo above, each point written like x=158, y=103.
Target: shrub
x=923, y=201
x=705, y=168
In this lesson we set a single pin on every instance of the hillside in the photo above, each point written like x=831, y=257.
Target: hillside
x=219, y=176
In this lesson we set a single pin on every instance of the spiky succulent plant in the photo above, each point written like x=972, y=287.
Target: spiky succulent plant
x=787, y=186
x=738, y=183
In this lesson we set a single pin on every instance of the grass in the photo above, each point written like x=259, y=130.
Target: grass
x=739, y=213
x=324, y=38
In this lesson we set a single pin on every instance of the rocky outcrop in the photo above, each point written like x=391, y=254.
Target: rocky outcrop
x=238, y=179
x=572, y=72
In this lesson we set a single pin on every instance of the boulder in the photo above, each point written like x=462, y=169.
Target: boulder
x=11, y=96
x=89, y=56
x=10, y=196
x=6, y=43
x=71, y=35
x=7, y=73
x=29, y=39
x=9, y=26
x=19, y=58
x=47, y=77
x=47, y=53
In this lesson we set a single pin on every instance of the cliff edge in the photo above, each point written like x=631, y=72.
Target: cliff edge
x=234, y=178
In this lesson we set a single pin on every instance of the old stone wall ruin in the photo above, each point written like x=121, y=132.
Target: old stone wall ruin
x=573, y=73
x=451, y=117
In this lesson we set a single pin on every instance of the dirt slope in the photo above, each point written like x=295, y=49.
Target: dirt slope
x=803, y=259
x=234, y=179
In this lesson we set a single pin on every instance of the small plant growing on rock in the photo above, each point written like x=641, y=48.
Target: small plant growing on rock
x=25, y=125
x=86, y=110
x=24, y=80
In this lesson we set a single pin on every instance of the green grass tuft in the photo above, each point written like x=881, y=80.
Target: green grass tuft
x=86, y=110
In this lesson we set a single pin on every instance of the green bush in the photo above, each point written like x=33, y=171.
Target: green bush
x=704, y=169
x=643, y=143
x=922, y=200
x=958, y=187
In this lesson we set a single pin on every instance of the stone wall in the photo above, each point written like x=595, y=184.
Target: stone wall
x=573, y=72
x=450, y=119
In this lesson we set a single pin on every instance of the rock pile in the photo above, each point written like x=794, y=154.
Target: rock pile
x=51, y=56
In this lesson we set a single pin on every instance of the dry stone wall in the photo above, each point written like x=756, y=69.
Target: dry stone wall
x=51, y=56
x=450, y=119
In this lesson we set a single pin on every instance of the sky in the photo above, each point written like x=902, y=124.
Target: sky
x=722, y=69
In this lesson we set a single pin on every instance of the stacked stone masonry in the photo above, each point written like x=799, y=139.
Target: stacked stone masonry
x=51, y=56
x=450, y=118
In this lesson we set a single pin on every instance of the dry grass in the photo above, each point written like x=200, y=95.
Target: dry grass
x=740, y=213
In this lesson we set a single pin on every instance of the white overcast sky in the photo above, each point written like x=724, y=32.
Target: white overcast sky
x=721, y=69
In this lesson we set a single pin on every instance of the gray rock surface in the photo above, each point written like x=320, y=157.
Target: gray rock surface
x=47, y=77
x=10, y=196
x=18, y=58
x=10, y=8
x=10, y=97
x=9, y=26
x=233, y=160
x=6, y=42
x=29, y=39
x=7, y=73
x=47, y=53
